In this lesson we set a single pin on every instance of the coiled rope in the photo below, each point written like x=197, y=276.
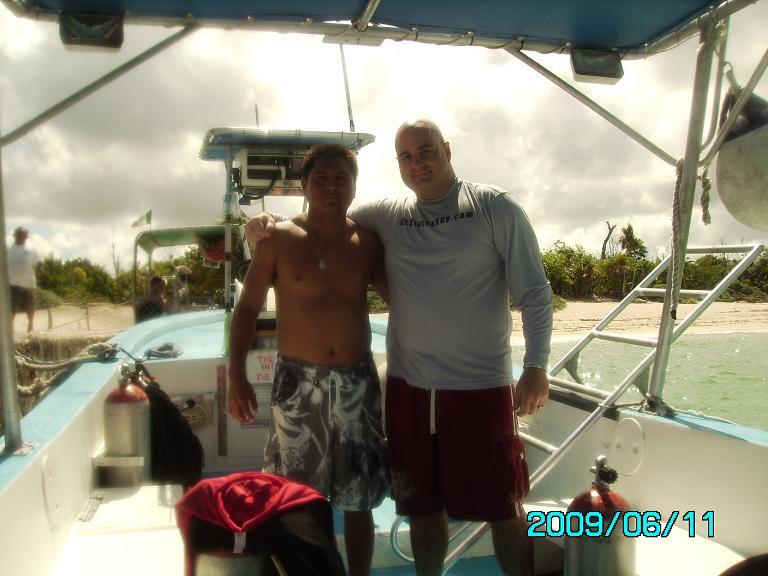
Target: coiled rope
x=677, y=240
x=706, y=188
x=100, y=351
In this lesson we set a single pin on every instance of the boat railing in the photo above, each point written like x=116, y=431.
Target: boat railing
x=608, y=400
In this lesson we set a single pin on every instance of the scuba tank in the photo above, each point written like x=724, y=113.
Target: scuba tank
x=610, y=551
x=126, y=421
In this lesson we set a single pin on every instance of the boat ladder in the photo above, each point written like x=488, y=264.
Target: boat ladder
x=607, y=400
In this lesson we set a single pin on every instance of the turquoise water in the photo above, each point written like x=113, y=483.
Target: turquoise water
x=720, y=375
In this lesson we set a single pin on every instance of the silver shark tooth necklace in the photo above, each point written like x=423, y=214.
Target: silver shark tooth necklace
x=321, y=263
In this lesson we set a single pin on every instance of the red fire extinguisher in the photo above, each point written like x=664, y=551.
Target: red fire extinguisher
x=595, y=543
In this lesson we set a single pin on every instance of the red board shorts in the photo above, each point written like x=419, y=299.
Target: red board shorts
x=473, y=466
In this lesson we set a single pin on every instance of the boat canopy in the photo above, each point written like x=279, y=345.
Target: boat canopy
x=617, y=25
x=268, y=162
x=150, y=240
x=217, y=141
x=209, y=238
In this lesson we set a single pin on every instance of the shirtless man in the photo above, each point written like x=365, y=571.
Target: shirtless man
x=325, y=421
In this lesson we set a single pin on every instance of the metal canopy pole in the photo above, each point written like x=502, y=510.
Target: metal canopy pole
x=229, y=196
x=10, y=394
x=594, y=106
x=682, y=216
x=365, y=18
x=346, y=89
x=135, y=274
x=74, y=98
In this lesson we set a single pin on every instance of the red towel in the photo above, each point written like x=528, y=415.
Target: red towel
x=238, y=502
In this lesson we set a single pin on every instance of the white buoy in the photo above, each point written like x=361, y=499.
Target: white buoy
x=742, y=167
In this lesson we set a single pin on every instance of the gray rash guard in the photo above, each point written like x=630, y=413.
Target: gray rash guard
x=452, y=264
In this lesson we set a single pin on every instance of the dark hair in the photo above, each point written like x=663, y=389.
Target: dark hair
x=156, y=280
x=328, y=151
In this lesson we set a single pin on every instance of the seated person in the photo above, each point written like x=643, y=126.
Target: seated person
x=153, y=303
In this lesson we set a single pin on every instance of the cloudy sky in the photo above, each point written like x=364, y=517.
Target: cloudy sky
x=79, y=181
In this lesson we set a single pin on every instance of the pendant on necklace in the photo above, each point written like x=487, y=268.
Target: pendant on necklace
x=321, y=264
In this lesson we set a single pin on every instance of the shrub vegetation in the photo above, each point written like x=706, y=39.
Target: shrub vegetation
x=574, y=274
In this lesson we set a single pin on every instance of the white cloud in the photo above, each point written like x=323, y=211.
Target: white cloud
x=18, y=38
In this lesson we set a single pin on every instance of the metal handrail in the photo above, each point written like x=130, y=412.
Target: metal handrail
x=661, y=292
x=536, y=443
x=393, y=540
x=623, y=339
x=580, y=388
x=752, y=254
x=455, y=533
x=612, y=315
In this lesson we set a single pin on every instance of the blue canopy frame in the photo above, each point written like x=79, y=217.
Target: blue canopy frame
x=625, y=26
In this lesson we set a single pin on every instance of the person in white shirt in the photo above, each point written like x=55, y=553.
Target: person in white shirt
x=23, y=267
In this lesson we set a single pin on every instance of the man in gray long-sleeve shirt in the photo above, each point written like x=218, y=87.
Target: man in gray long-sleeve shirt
x=453, y=255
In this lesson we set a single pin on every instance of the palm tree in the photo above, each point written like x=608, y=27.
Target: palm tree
x=631, y=244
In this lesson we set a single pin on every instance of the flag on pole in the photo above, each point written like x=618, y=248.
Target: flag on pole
x=143, y=220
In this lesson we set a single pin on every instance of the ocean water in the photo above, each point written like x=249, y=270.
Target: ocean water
x=719, y=375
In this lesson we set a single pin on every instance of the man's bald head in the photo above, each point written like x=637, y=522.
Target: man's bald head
x=422, y=123
x=424, y=159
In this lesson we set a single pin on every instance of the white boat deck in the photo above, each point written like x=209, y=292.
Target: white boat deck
x=130, y=531
x=125, y=531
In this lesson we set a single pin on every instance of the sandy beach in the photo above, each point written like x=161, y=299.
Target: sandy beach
x=575, y=319
x=645, y=318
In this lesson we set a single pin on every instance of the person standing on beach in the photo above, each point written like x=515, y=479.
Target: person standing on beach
x=24, y=266
x=454, y=253
x=325, y=425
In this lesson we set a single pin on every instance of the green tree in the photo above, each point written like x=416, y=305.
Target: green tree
x=570, y=271
x=121, y=291
x=376, y=304
x=94, y=282
x=757, y=274
x=617, y=275
x=631, y=244
x=705, y=272
x=76, y=284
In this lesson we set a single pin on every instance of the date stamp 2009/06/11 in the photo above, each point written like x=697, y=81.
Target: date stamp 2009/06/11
x=630, y=523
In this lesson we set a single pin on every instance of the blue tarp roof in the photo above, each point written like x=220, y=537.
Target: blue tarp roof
x=619, y=24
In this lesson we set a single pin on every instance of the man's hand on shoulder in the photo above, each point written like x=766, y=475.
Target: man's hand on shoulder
x=259, y=227
x=532, y=391
x=366, y=236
